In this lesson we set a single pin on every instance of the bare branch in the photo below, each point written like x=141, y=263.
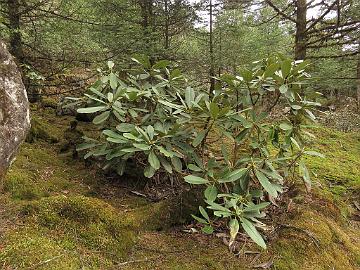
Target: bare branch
x=334, y=56
x=322, y=16
x=280, y=12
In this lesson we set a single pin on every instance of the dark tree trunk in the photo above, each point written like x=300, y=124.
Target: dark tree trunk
x=211, y=50
x=16, y=47
x=167, y=18
x=358, y=79
x=15, y=34
x=148, y=25
x=300, y=36
x=144, y=13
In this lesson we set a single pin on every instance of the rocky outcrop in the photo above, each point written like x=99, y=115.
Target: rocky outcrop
x=14, y=110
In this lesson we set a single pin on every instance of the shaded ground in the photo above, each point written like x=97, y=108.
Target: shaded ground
x=56, y=213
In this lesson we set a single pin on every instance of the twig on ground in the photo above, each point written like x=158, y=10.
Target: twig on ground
x=265, y=265
x=45, y=262
x=138, y=194
x=136, y=261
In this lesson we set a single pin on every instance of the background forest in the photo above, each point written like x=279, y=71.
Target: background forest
x=201, y=36
x=185, y=134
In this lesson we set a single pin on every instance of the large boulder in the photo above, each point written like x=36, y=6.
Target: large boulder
x=14, y=110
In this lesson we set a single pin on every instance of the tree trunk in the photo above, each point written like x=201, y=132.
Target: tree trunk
x=358, y=80
x=300, y=36
x=149, y=27
x=211, y=50
x=14, y=110
x=167, y=18
x=16, y=48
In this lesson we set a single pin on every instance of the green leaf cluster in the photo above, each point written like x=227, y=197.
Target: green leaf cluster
x=154, y=118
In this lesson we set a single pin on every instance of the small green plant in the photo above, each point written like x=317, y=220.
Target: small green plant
x=32, y=74
x=153, y=118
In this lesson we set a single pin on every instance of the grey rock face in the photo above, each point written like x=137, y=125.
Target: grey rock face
x=14, y=110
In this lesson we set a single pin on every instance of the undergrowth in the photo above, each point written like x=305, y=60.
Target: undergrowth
x=61, y=218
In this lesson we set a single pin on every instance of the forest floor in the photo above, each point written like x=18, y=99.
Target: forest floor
x=57, y=213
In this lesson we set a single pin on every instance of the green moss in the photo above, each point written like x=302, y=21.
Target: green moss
x=49, y=103
x=337, y=176
x=89, y=233
x=32, y=249
x=96, y=224
x=170, y=251
x=167, y=213
x=38, y=172
x=341, y=167
x=313, y=241
x=71, y=227
x=41, y=131
x=21, y=186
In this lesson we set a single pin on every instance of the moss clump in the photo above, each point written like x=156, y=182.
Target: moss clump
x=22, y=186
x=314, y=241
x=35, y=174
x=49, y=103
x=337, y=176
x=341, y=165
x=32, y=249
x=38, y=172
x=175, y=251
x=83, y=232
x=336, y=182
x=167, y=213
x=41, y=131
x=95, y=223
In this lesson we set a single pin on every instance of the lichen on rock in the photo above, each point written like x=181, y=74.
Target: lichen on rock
x=14, y=110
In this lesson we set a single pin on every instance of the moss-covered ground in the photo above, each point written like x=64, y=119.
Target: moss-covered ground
x=58, y=213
